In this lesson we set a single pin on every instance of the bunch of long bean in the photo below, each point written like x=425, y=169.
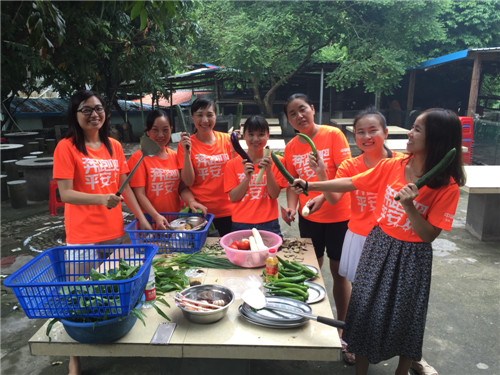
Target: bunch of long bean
x=198, y=260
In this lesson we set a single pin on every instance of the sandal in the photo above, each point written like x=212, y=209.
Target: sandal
x=423, y=368
x=349, y=358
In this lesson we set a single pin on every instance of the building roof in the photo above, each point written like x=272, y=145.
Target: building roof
x=455, y=56
x=181, y=97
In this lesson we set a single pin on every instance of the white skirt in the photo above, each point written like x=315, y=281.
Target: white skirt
x=351, y=252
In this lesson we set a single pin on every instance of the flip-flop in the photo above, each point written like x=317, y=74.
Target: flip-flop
x=423, y=368
x=349, y=358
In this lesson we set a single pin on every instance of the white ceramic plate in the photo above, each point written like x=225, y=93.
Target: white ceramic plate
x=312, y=268
x=316, y=292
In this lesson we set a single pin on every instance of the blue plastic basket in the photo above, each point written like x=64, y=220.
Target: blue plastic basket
x=169, y=241
x=46, y=287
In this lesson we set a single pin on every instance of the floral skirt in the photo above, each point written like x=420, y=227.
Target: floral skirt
x=390, y=293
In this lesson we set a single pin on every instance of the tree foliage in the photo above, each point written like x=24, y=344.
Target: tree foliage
x=382, y=41
x=468, y=24
x=267, y=42
x=373, y=42
x=109, y=43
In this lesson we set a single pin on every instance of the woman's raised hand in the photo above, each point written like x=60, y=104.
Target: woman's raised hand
x=407, y=194
x=297, y=185
x=316, y=163
x=185, y=141
x=247, y=168
x=112, y=200
x=266, y=163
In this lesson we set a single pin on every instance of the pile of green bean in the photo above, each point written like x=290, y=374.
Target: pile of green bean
x=290, y=281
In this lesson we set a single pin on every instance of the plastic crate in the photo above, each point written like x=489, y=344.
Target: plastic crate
x=169, y=241
x=46, y=287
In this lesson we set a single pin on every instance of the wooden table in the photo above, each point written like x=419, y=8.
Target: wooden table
x=398, y=145
x=232, y=337
x=342, y=121
x=483, y=215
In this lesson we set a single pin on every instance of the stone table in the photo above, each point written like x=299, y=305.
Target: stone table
x=37, y=173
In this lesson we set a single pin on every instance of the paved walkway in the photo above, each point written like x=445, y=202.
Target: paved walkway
x=462, y=335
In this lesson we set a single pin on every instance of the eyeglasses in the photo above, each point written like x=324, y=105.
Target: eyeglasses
x=87, y=111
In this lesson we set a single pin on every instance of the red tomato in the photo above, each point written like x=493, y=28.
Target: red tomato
x=245, y=244
x=233, y=246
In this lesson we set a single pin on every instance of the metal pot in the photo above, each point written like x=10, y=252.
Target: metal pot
x=207, y=292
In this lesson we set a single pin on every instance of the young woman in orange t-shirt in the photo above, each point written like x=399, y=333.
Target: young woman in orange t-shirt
x=255, y=204
x=157, y=182
x=370, y=132
x=388, y=305
x=326, y=224
x=203, y=157
x=89, y=168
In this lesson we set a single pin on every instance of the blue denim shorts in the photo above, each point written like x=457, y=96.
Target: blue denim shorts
x=270, y=226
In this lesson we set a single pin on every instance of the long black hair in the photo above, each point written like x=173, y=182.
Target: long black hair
x=74, y=128
x=443, y=131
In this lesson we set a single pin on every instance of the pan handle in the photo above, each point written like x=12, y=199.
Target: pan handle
x=331, y=322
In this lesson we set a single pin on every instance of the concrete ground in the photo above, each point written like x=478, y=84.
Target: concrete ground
x=462, y=335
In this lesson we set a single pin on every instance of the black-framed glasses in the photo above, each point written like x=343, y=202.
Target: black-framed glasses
x=87, y=111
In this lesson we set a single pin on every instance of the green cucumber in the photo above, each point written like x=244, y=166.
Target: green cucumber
x=437, y=169
x=311, y=143
x=283, y=170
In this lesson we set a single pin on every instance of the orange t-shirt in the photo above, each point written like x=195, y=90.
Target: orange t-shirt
x=160, y=179
x=362, y=202
x=209, y=163
x=256, y=206
x=437, y=206
x=97, y=173
x=332, y=145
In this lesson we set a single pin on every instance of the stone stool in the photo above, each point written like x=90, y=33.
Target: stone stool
x=17, y=193
x=11, y=169
x=37, y=173
x=22, y=138
x=33, y=146
x=38, y=154
x=41, y=143
x=28, y=157
x=12, y=151
x=51, y=145
x=5, y=190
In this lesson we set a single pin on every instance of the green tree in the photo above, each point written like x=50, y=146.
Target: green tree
x=267, y=42
x=23, y=43
x=468, y=24
x=108, y=44
x=384, y=39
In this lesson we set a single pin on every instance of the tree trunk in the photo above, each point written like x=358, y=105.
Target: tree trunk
x=118, y=108
x=257, y=98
